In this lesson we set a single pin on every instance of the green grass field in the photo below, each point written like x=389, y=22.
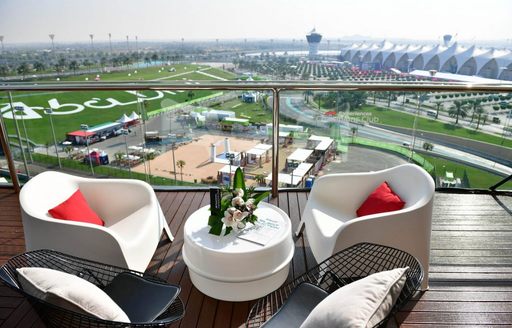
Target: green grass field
x=39, y=129
x=404, y=120
x=477, y=178
x=254, y=112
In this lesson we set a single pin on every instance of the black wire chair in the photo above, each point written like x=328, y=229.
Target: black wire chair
x=101, y=275
x=342, y=268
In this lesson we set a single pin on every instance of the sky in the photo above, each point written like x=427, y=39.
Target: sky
x=23, y=21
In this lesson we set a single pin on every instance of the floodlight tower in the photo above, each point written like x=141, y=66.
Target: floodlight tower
x=2, y=42
x=313, y=39
x=52, y=36
x=110, y=42
x=92, y=41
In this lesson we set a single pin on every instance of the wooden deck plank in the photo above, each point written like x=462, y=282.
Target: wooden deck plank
x=471, y=263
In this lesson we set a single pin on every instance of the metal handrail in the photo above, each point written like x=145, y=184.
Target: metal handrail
x=276, y=87
x=417, y=86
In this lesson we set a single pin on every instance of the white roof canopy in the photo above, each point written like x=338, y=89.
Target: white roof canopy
x=134, y=116
x=300, y=155
x=226, y=169
x=285, y=178
x=256, y=151
x=325, y=142
x=263, y=146
x=124, y=119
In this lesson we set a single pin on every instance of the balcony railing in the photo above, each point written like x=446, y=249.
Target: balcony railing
x=189, y=134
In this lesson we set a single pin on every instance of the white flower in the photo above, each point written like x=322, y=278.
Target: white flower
x=250, y=204
x=228, y=218
x=238, y=192
x=237, y=201
x=239, y=215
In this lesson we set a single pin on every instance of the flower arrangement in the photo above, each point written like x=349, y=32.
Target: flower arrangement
x=237, y=207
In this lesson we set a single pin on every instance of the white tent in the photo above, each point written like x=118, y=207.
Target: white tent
x=134, y=116
x=124, y=119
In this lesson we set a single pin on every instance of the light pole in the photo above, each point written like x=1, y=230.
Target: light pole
x=231, y=157
x=128, y=43
x=125, y=133
x=173, y=145
x=22, y=110
x=85, y=127
x=137, y=50
x=52, y=36
x=92, y=41
x=49, y=112
x=2, y=42
x=110, y=42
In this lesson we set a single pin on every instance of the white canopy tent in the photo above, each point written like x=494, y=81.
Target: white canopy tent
x=124, y=119
x=300, y=155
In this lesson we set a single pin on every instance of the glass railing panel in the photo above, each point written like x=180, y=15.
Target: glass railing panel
x=167, y=138
x=325, y=132
x=472, y=138
x=460, y=139
x=196, y=137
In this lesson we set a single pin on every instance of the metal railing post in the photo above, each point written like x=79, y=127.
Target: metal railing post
x=16, y=126
x=275, y=142
x=8, y=155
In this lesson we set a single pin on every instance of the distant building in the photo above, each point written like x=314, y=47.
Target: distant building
x=314, y=39
x=447, y=57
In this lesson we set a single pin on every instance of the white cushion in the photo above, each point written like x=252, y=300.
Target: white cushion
x=70, y=292
x=363, y=303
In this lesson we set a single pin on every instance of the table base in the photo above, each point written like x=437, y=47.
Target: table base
x=239, y=291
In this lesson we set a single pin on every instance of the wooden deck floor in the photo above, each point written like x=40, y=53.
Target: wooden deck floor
x=471, y=263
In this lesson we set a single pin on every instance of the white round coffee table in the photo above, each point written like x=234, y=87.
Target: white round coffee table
x=233, y=269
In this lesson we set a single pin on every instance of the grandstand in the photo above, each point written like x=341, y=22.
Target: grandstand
x=448, y=57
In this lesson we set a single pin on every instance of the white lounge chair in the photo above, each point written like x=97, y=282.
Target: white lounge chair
x=133, y=219
x=332, y=224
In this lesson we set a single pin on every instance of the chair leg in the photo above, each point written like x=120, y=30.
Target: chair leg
x=168, y=231
x=165, y=225
x=300, y=229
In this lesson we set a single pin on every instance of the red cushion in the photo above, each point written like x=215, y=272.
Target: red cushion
x=383, y=199
x=75, y=208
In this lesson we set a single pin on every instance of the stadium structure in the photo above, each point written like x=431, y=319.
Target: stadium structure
x=313, y=39
x=449, y=57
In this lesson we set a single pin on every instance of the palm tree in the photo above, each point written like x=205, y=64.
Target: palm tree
x=73, y=65
x=181, y=164
x=476, y=106
x=458, y=109
x=39, y=66
x=23, y=69
x=68, y=150
x=439, y=105
x=260, y=179
x=354, y=132
x=479, y=111
x=119, y=157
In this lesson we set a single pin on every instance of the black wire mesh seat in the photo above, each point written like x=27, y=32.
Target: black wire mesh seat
x=344, y=267
x=96, y=273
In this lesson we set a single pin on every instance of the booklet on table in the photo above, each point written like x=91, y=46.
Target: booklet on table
x=261, y=232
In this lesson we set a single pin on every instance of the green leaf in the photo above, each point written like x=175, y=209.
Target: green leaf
x=253, y=218
x=216, y=228
x=238, y=180
x=260, y=197
x=228, y=230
